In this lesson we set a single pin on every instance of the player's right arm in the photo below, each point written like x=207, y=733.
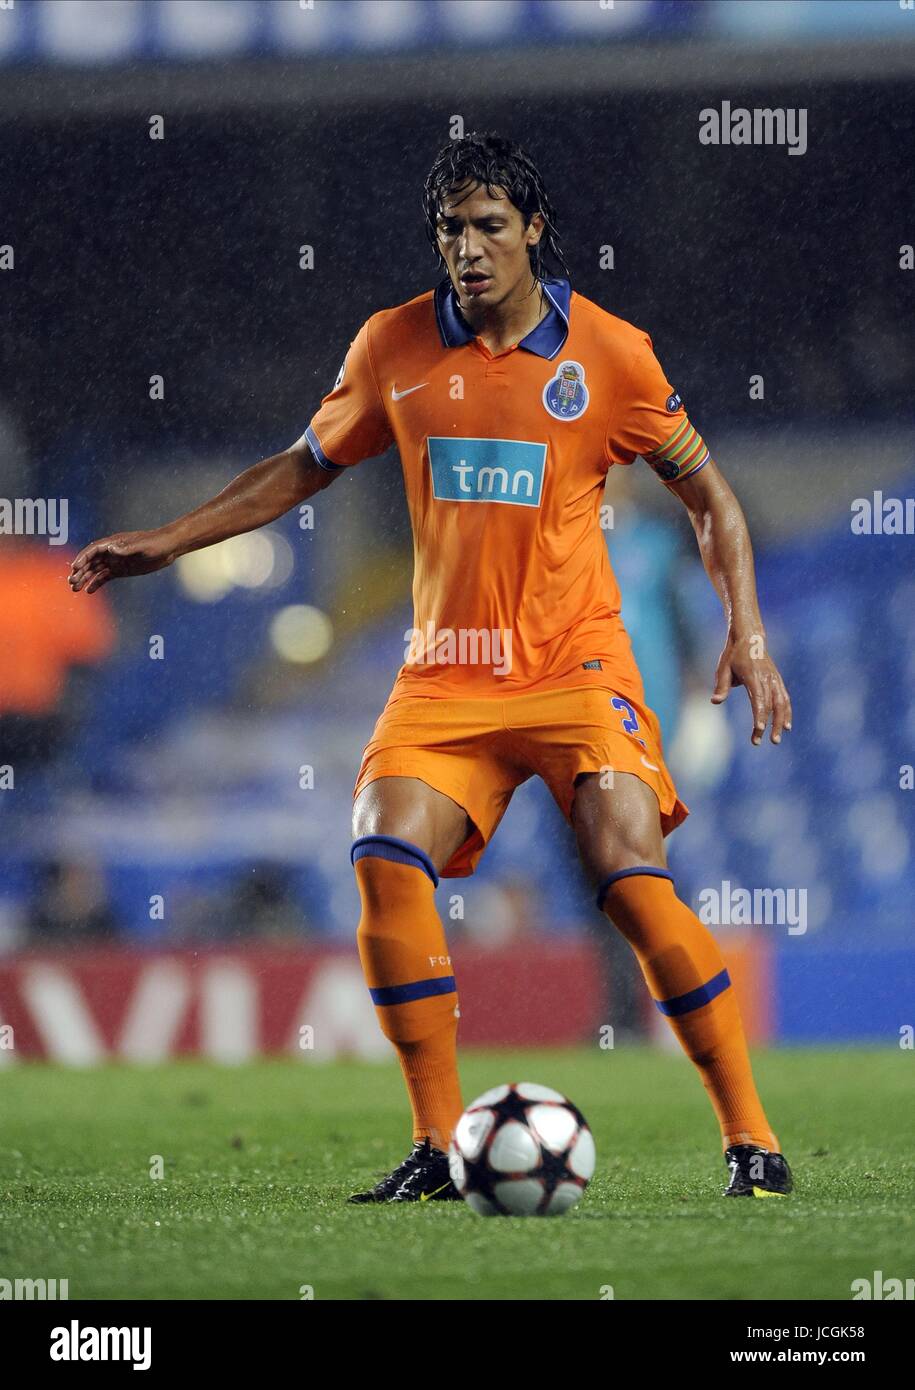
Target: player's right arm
x=255, y=498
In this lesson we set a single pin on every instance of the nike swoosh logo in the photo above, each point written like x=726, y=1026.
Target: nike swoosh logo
x=399, y=395
x=646, y=763
x=427, y=1196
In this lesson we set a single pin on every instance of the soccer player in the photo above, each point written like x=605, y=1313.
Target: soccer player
x=509, y=396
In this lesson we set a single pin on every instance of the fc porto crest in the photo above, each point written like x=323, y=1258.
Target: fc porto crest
x=565, y=395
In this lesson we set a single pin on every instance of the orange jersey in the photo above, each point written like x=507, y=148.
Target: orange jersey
x=504, y=460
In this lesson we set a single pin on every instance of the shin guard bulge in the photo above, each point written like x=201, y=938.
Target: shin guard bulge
x=408, y=971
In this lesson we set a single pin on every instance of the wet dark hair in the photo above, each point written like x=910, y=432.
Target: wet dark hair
x=498, y=163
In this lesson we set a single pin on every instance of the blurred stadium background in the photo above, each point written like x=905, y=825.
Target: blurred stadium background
x=169, y=879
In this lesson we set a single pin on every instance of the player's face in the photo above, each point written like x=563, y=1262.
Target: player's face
x=484, y=243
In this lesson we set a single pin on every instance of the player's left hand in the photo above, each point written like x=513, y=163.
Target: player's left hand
x=745, y=661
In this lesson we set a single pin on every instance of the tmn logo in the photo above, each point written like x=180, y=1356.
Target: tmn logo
x=487, y=470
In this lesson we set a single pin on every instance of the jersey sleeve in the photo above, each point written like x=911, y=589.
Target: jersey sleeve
x=351, y=423
x=651, y=420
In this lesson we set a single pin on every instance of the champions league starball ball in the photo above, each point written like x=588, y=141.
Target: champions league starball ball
x=521, y=1150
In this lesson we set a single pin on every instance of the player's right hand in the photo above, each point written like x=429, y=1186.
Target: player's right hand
x=118, y=557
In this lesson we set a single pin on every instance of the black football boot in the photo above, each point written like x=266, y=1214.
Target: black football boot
x=755, y=1172
x=422, y=1177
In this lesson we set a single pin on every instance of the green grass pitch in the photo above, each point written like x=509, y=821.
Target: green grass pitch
x=258, y=1161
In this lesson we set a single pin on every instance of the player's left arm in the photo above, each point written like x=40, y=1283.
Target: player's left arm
x=650, y=419
x=727, y=553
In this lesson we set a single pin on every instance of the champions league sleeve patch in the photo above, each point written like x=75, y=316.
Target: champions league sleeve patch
x=565, y=395
x=682, y=454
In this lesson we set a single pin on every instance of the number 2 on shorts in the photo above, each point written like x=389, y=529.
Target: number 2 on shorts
x=630, y=724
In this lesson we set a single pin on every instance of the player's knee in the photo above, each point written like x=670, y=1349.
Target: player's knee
x=391, y=873
x=614, y=898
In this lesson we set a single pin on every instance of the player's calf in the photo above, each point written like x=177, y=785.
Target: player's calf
x=690, y=985
x=408, y=970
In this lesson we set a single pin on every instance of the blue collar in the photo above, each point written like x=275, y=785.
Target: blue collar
x=546, y=340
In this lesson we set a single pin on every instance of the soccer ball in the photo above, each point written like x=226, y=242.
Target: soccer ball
x=521, y=1150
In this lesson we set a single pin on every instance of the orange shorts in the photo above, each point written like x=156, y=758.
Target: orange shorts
x=478, y=751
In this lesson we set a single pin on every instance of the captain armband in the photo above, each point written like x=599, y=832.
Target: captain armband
x=683, y=454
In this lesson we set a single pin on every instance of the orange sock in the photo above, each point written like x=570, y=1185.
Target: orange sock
x=408, y=971
x=686, y=974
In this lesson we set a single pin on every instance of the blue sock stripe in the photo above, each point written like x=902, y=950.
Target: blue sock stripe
x=685, y=1003
x=627, y=873
x=419, y=989
x=397, y=851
